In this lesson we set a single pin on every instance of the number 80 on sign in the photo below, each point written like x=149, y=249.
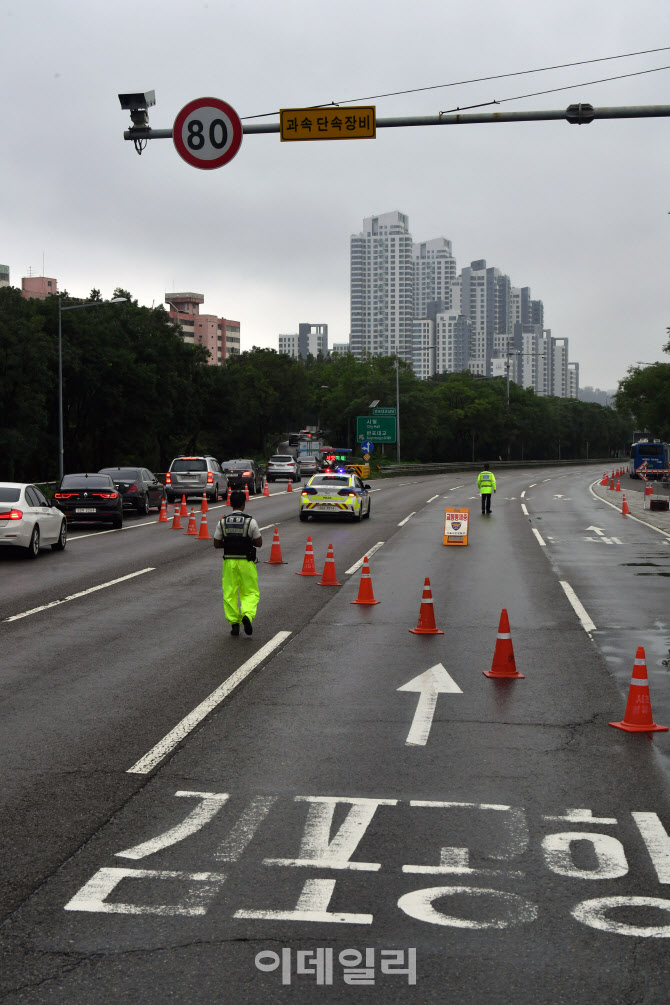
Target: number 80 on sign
x=207, y=133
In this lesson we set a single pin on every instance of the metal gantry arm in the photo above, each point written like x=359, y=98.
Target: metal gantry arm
x=578, y=114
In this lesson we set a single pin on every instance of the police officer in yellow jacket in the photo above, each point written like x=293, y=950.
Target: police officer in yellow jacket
x=239, y=536
x=486, y=483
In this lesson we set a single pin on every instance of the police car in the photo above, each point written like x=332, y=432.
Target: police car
x=335, y=494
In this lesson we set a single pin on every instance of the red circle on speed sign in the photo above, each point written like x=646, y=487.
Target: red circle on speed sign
x=207, y=133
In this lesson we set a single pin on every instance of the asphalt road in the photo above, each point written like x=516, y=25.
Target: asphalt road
x=500, y=828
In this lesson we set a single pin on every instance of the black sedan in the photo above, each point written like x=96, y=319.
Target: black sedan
x=90, y=498
x=138, y=487
x=243, y=472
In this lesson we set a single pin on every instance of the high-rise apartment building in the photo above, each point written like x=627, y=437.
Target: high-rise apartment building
x=382, y=287
x=220, y=336
x=4, y=275
x=486, y=301
x=311, y=340
x=573, y=380
x=434, y=274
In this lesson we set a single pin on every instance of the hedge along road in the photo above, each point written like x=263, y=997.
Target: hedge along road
x=299, y=817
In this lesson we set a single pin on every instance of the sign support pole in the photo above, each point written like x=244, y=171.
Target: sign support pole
x=397, y=405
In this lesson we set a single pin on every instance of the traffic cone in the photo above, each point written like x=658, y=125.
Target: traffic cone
x=176, y=522
x=648, y=489
x=204, y=533
x=638, y=718
x=266, y=490
x=204, y=508
x=618, y=485
x=275, y=552
x=289, y=487
x=308, y=567
x=329, y=576
x=605, y=479
x=182, y=509
x=612, y=484
x=163, y=517
x=192, y=526
x=365, y=594
x=426, y=622
x=228, y=497
x=503, y=657
x=246, y=491
x=624, y=506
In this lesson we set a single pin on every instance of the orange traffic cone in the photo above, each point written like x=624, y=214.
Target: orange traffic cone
x=266, y=490
x=618, y=485
x=275, y=552
x=605, y=479
x=246, y=491
x=503, y=657
x=204, y=533
x=612, y=484
x=648, y=489
x=624, y=506
x=163, y=517
x=308, y=567
x=228, y=497
x=289, y=487
x=204, y=508
x=176, y=522
x=637, y=717
x=192, y=526
x=183, y=511
x=329, y=576
x=426, y=622
x=365, y=594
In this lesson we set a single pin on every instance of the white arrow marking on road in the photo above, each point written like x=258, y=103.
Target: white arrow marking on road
x=429, y=684
x=598, y=530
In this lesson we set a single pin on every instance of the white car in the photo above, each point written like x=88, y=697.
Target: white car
x=335, y=494
x=28, y=519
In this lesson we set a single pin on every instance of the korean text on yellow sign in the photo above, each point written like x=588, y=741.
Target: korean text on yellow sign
x=351, y=123
x=456, y=526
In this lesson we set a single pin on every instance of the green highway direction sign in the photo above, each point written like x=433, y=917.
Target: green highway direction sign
x=378, y=428
x=384, y=411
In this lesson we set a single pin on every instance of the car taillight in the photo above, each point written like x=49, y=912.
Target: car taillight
x=168, y=478
x=132, y=488
x=106, y=495
x=246, y=474
x=210, y=478
x=64, y=495
x=12, y=514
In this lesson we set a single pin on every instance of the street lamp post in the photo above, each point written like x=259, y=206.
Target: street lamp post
x=72, y=307
x=397, y=409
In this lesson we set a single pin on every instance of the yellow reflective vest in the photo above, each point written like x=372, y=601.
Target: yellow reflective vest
x=486, y=482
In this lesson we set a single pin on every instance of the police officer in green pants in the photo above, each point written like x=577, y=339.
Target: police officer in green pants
x=239, y=536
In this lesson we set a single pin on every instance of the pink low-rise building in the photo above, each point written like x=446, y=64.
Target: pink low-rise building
x=38, y=287
x=220, y=336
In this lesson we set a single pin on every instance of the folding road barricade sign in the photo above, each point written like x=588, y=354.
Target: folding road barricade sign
x=456, y=526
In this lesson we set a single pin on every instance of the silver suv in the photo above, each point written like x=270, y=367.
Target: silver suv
x=283, y=466
x=191, y=476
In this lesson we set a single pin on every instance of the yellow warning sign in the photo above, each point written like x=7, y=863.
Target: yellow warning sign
x=456, y=526
x=351, y=123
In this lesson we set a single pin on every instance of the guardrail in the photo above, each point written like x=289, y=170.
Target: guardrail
x=439, y=467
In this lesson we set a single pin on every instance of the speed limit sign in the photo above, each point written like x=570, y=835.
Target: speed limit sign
x=207, y=133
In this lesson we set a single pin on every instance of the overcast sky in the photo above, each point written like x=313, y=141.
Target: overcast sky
x=578, y=213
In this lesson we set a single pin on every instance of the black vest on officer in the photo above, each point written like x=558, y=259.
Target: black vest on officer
x=237, y=542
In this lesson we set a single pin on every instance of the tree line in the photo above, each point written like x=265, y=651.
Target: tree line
x=135, y=393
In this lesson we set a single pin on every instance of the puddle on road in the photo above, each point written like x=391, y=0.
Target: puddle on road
x=639, y=563
x=652, y=573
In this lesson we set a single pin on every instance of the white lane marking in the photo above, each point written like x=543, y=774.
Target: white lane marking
x=533, y=485
x=433, y=497
x=429, y=684
x=456, y=487
x=269, y=525
x=76, y=596
x=369, y=554
x=403, y=522
x=523, y=507
x=578, y=607
x=546, y=479
x=523, y=494
x=114, y=530
x=539, y=537
x=629, y=515
x=189, y=722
